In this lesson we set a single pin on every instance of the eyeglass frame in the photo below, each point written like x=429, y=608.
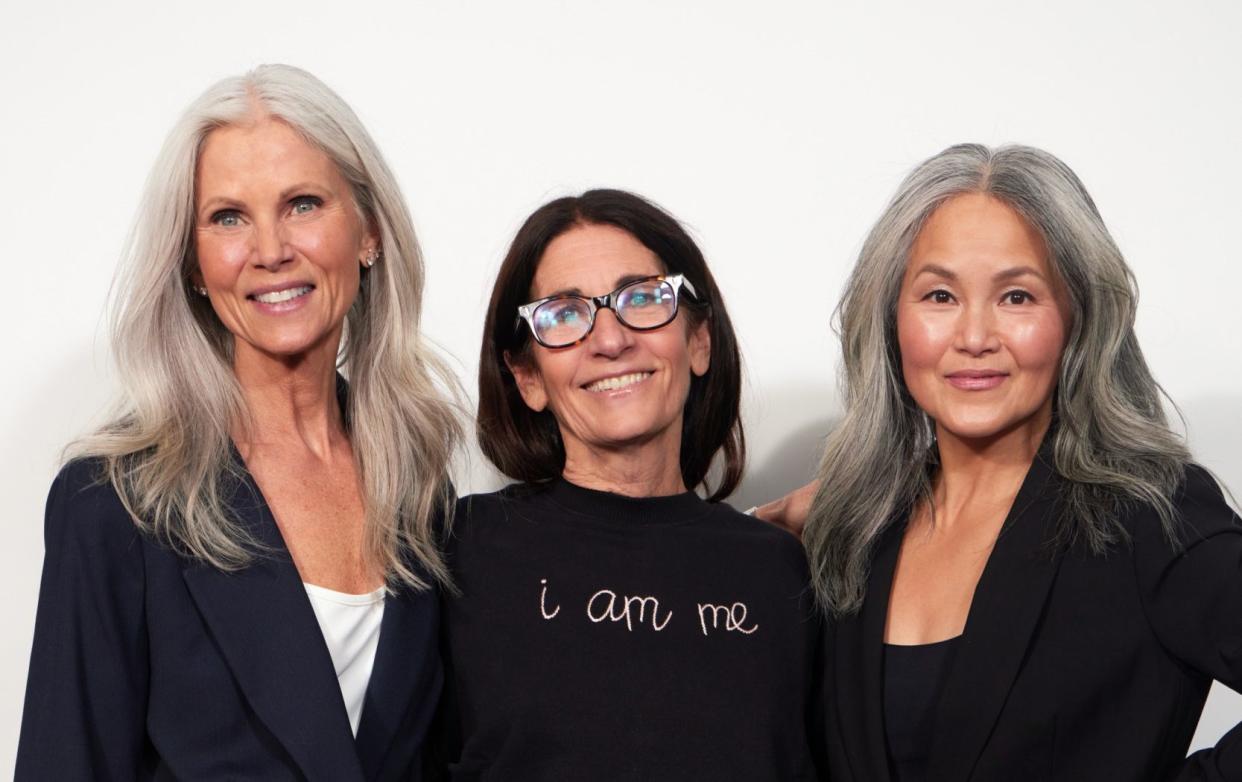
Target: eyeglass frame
x=526, y=312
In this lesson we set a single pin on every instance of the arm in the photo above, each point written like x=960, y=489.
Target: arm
x=85, y=710
x=1193, y=600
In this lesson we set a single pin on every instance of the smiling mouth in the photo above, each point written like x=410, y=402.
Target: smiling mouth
x=276, y=297
x=976, y=381
x=618, y=382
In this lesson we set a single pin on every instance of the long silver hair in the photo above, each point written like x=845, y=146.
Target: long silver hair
x=1110, y=439
x=167, y=448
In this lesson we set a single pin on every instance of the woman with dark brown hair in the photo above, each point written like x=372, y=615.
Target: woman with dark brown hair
x=612, y=624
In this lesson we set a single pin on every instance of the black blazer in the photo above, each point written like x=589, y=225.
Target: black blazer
x=148, y=665
x=1072, y=666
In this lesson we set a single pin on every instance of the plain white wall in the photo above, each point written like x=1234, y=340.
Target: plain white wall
x=776, y=132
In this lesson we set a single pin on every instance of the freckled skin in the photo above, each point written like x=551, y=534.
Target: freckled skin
x=980, y=319
x=592, y=259
x=271, y=209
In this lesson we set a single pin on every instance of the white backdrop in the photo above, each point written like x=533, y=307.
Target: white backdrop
x=776, y=133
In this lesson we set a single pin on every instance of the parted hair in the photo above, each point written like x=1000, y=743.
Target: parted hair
x=167, y=448
x=1109, y=437
x=526, y=445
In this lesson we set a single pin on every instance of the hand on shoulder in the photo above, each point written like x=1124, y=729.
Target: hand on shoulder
x=791, y=511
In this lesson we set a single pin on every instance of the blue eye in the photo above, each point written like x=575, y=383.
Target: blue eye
x=559, y=314
x=305, y=204
x=228, y=218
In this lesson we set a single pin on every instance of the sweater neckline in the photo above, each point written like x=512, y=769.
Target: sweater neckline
x=607, y=506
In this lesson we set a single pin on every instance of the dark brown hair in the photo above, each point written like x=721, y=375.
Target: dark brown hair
x=525, y=444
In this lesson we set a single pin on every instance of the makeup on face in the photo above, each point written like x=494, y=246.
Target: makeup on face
x=981, y=320
x=278, y=239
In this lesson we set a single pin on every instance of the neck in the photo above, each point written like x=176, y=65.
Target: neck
x=291, y=400
x=980, y=472
x=651, y=469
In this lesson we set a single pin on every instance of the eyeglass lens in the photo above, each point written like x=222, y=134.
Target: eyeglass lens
x=646, y=304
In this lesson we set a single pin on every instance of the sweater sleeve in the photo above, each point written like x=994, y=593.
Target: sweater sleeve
x=85, y=713
x=1192, y=593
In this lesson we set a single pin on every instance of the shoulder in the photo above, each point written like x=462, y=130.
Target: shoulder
x=474, y=513
x=84, y=510
x=1202, y=510
x=1201, y=514
x=760, y=537
x=515, y=496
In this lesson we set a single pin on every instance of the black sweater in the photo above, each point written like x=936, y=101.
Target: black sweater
x=600, y=637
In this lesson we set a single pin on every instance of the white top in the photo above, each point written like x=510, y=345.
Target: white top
x=351, y=628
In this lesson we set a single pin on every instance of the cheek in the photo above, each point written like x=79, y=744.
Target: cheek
x=334, y=247
x=922, y=340
x=556, y=371
x=673, y=349
x=1037, y=343
x=220, y=258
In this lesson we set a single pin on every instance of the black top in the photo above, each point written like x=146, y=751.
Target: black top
x=601, y=637
x=1072, y=665
x=914, y=677
x=147, y=665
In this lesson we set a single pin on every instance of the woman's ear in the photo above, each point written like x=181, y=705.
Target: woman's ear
x=529, y=381
x=371, y=250
x=700, y=347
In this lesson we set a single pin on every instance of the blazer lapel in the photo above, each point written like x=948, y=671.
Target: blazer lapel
x=267, y=632
x=1004, y=613
x=859, y=675
x=407, y=667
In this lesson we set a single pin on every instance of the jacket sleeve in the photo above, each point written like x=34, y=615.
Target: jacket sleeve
x=1192, y=593
x=85, y=712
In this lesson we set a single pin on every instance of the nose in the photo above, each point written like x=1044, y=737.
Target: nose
x=976, y=331
x=609, y=338
x=271, y=249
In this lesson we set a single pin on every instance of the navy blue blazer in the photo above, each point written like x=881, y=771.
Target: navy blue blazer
x=150, y=665
x=1072, y=666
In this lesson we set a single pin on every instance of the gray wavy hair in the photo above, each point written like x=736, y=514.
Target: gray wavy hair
x=1110, y=439
x=167, y=448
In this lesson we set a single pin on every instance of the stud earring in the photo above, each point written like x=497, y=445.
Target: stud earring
x=201, y=290
x=373, y=255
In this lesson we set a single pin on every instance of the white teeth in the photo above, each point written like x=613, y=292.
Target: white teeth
x=278, y=296
x=621, y=381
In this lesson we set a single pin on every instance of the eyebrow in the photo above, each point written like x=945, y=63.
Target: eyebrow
x=1001, y=276
x=216, y=202
x=939, y=271
x=299, y=188
x=621, y=281
x=1017, y=271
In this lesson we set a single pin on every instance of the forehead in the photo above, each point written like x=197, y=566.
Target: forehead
x=592, y=259
x=975, y=230
x=263, y=151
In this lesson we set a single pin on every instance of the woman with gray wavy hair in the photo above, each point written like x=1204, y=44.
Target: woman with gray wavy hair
x=1029, y=577
x=240, y=565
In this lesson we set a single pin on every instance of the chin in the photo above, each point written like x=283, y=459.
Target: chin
x=628, y=434
x=284, y=348
x=983, y=428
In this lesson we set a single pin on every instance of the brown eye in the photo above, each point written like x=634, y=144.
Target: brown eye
x=1017, y=297
x=940, y=297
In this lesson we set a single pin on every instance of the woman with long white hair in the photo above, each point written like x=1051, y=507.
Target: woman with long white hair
x=241, y=563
